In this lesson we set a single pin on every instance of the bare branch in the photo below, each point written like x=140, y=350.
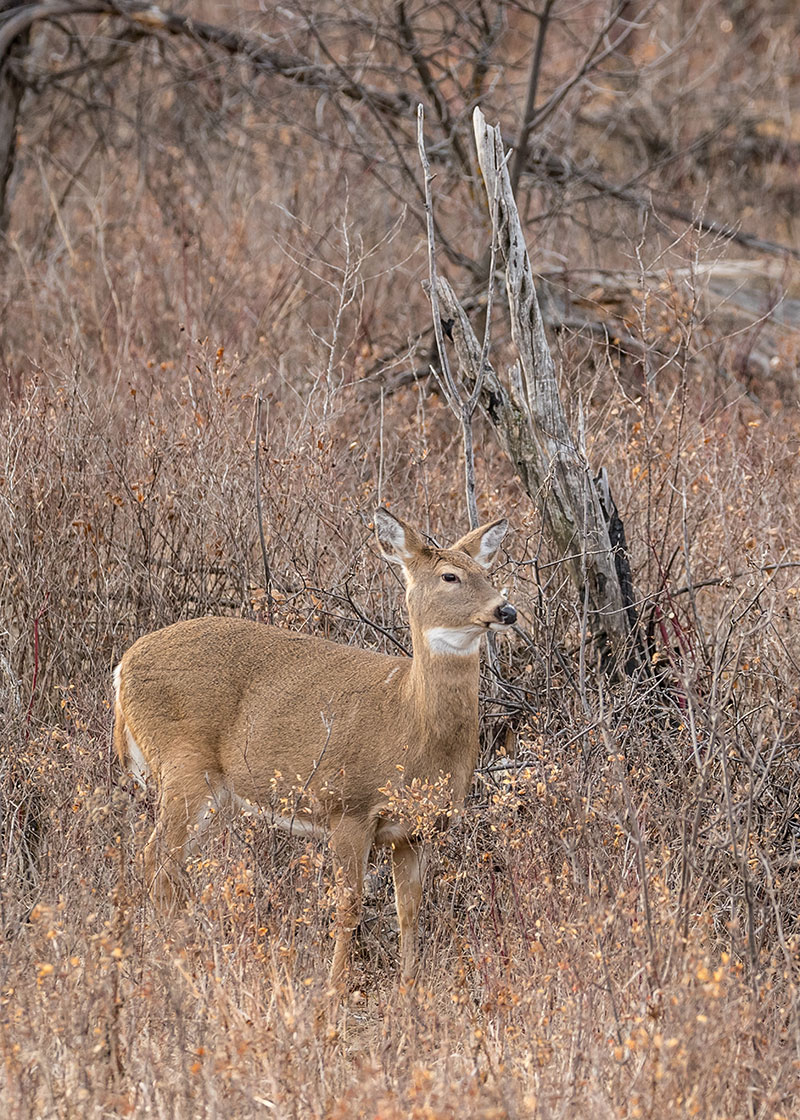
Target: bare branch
x=431, y=87
x=265, y=60
x=260, y=512
x=521, y=146
x=561, y=168
x=463, y=409
x=448, y=384
x=592, y=59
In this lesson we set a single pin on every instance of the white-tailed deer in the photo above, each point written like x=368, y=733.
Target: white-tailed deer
x=225, y=710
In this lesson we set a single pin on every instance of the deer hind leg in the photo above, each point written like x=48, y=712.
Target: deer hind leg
x=183, y=815
x=408, y=872
x=351, y=843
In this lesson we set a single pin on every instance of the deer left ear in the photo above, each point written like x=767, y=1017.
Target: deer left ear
x=483, y=543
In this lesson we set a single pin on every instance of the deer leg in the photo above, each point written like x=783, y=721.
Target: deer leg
x=181, y=819
x=351, y=845
x=408, y=871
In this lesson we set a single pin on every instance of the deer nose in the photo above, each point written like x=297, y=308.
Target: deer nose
x=506, y=614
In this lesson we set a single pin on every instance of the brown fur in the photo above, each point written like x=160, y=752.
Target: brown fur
x=222, y=706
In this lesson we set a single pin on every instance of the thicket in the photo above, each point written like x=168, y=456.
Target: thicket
x=611, y=927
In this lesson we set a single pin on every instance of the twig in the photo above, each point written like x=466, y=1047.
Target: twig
x=562, y=170
x=259, y=512
x=726, y=581
x=34, y=682
x=463, y=409
x=375, y=626
x=446, y=380
x=328, y=725
x=431, y=87
x=521, y=146
x=255, y=50
x=591, y=59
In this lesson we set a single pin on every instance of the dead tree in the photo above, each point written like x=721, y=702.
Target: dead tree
x=527, y=413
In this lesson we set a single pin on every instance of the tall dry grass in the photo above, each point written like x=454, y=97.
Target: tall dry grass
x=610, y=929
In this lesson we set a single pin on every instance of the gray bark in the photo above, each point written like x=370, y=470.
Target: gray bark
x=527, y=413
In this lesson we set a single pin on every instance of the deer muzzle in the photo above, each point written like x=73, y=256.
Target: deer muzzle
x=506, y=615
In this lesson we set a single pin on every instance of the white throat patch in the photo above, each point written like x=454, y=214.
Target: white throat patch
x=447, y=639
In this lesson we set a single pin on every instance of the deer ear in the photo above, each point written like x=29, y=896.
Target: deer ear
x=483, y=543
x=398, y=542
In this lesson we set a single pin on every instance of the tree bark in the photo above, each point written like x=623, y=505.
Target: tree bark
x=528, y=415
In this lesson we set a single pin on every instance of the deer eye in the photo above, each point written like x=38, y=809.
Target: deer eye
x=451, y=577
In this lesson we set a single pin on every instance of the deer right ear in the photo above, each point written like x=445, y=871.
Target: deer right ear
x=398, y=542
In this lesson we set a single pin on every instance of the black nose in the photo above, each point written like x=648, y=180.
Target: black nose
x=506, y=614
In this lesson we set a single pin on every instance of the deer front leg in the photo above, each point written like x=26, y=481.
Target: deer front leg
x=351, y=844
x=408, y=872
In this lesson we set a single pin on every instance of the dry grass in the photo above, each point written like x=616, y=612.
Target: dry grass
x=610, y=930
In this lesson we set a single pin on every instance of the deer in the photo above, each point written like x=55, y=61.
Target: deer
x=228, y=711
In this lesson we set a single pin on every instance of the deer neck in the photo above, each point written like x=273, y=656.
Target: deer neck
x=444, y=689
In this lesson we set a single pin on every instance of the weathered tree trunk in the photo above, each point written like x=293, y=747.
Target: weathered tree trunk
x=528, y=416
